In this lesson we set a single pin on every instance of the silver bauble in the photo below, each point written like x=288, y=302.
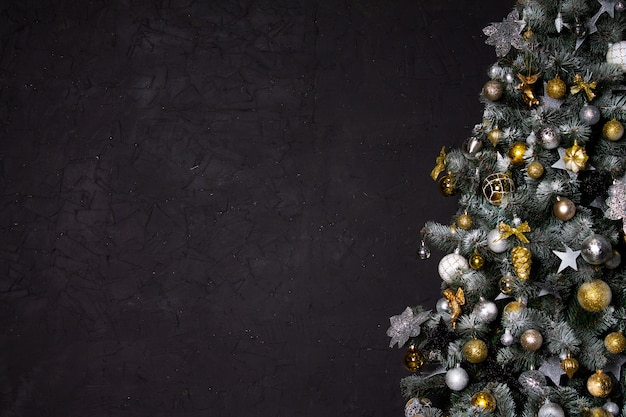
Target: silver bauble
x=509, y=78
x=551, y=410
x=494, y=71
x=596, y=249
x=611, y=407
x=457, y=379
x=614, y=261
x=549, y=137
x=452, y=266
x=589, y=114
x=485, y=310
x=507, y=338
x=471, y=146
x=533, y=383
x=442, y=306
x=496, y=244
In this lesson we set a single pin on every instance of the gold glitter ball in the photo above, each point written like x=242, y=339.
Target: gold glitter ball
x=475, y=351
x=535, y=170
x=615, y=342
x=484, y=400
x=613, y=130
x=594, y=295
x=556, y=88
x=599, y=384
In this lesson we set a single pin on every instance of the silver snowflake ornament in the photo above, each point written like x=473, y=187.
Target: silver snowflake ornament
x=616, y=202
x=405, y=325
x=506, y=34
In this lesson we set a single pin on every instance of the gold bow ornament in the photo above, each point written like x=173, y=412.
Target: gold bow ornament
x=582, y=85
x=507, y=231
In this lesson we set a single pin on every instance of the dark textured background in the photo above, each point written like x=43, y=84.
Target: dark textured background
x=211, y=208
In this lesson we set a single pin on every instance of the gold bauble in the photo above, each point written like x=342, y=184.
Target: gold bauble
x=492, y=90
x=506, y=284
x=447, y=187
x=495, y=135
x=475, y=351
x=597, y=412
x=556, y=88
x=599, y=384
x=513, y=307
x=484, y=400
x=613, y=130
x=531, y=340
x=476, y=261
x=465, y=221
x=517, y=151
x=570, y=366
x=522, y=262
x=615, y=342
x=413, y=359
x=594, y=295
x=497, y=186
x=575, y=158
x=535, y=170
x=564, y=208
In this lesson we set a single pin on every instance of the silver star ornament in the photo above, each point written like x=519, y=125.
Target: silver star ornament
x=568, y=258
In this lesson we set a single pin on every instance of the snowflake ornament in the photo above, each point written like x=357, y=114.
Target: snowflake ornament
x=405, y=325
x=506, y=34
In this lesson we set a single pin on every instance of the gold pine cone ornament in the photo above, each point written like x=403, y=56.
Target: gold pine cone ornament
x=521, y=257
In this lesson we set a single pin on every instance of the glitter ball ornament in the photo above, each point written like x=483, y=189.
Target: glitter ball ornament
x=551, y=410
x=589, y=114
x=569, y=365
x=513, y=307
x=484, y=400
x=613, y=130
x=485, y=310
x=596, y=249
x=596, y=412
x=616, y=54
x=599, y=384
x=413, y=359
x=496, y=243
x=517, y=152
x=615, y=342
x=496, y=187
x=556, y=88
x=457, y=379
x=492, y=90
x=533, y=383
x=447, y=187
x=535, y=170
x=452, y=266
x=465, y=221
x=506, y=284
x=476, y=261
x=549, y=137
x=471, y=146
x=522, y=261
x=531, y=340
x=495, y=135
x=594, y=296
x=475, y=351
x=564, y=208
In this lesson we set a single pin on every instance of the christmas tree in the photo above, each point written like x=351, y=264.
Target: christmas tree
x=533, y=306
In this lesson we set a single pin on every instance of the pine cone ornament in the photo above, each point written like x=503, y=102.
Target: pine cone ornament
x=521, y=257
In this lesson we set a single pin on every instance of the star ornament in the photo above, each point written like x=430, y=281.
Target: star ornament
x=568, y=258
x=506, y=34
x=405, y=325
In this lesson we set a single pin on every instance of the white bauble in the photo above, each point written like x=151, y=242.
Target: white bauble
x=611, y=407
x=551, y=410
x=452, y=266
x=486, y=310
x=442, y=306
x=496, y=244
x=616, y=54
x=457, y=379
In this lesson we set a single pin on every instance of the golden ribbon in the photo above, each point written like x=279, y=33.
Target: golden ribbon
x=506, y=231
x=440, y=164
x=582, y=85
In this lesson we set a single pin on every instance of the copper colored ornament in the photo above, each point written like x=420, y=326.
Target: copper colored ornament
x=484, y=400
x=594, y=295
x=475, y=351
x=615, y=342
x=497, y=186
x=556, y=88
x=531, y=340
x=535, y=170
x=476, y=261
x=495, y=135
x=522, y=262
x=526, y=87
x=492, y=90
x=464, y=221
x=599, y=384
x=564, y=208
x=569, y=365
x=517, y=152
x=413, y=359
x=447, y=187
x=613, y=130
x=575, y=158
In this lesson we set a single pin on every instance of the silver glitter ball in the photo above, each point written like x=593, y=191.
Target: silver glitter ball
x=549, y=137
x=551, y=410
x=457, y=379
x=486, y=310
x=596, y=249
x=509, y=78
x=589, y=114
x=471, y=146
x=442, y=306
x=611, y=407
x=494, y=71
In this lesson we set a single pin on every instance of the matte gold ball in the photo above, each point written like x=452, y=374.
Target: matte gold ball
x=613, y=130
x=476, y=261
x=447, y=187
x=513, y=307
x=506, y=284
x=564, y=209
x=413, y=359
x=556, y=88
x=475, y=351
x=465, y=221
x=495, y=135
x=516, y=152
x=492, y=90
x=594, y=295
x=615, y=342
x=599, y=384
x=484, y=400
x=535, y=170
x=531, y=340
x=569, y=365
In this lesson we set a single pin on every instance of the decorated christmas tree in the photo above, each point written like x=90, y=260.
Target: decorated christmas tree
x=533, y=308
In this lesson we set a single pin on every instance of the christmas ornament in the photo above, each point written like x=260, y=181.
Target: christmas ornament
x=535, y=170
x=564, y=208
x=455, y=301
x=549, y=137
x=599, y=384
x=464, y=221
x=442, y=306
x=533, y=383
x=575, y=158
x=616, y=202
x=594, y=295
x=614, y=261
x=582, y=85
x=551, y=368
x=405, y=326
x=506, y=284
x=496, y=187
x=513, y=307
x=620, y=6
x=589, y=114
x=476, y=261
x=506, y=34
x=570, y=366
x=579, y=29
x=440, y=164
x=471, y=146
x=521, y=258
x=452, y=266
x=496, y=243
x=413, y=408
x=556, y=88
x=475, y=351
x=457, y=378
x=551, y=410
x=531, y=340
x=413, y=359
x=495, y=135
x=492, y=90
x=485, y=310
x=507, y=231
x=526, y=87
x=613, y=130
x=616, y=54
x=596, y=412
x=516, y=152
x=568, y=258
x=509, y=78
x=615, y=342
x=446, y=185
x=484, y=400
x=596, y=249
x=423, y=252
x=611, y=407
x=507, y=338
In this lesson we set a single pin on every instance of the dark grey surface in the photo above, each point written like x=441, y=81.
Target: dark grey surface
x=212, y=208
